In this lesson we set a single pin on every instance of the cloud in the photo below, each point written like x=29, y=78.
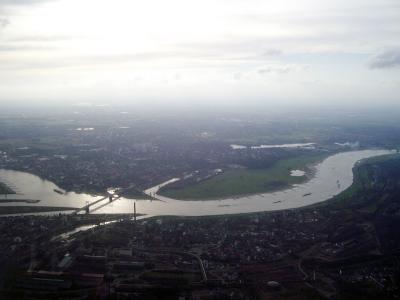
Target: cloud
x=4, y=22
x=181, y=57
x=281, y=69
x=386, y=59
x=40, y=38
x=274, y=69
x=67, y=61
x=30, y=43
x=271, y=52
x=253, y=49
x=7, y=5
x=18, y=48
x=20, y=2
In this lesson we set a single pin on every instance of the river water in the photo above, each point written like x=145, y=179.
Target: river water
x=332, y=176
x=302, y=145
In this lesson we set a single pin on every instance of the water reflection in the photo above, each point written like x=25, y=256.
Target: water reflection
x=332, y=176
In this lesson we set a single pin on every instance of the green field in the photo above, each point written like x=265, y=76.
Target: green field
x=5, y=190
x=241, y=182
x=134, y=193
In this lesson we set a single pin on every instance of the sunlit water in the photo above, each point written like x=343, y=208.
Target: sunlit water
x=298, y=145
x=332, y=176
x=297, y=173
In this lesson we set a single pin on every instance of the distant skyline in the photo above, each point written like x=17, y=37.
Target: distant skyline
x=228, y=51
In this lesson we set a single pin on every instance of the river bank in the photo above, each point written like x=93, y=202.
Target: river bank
x=332, y=176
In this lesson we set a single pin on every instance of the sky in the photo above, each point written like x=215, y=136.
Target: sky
x=227, y=51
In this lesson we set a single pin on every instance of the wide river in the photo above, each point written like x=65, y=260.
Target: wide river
x=332, y=176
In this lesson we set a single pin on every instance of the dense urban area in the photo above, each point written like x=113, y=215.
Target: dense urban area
x=346, y=248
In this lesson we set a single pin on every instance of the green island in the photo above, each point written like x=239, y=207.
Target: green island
x=239, y=182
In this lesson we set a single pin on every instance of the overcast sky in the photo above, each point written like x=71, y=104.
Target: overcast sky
x=204, y=50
